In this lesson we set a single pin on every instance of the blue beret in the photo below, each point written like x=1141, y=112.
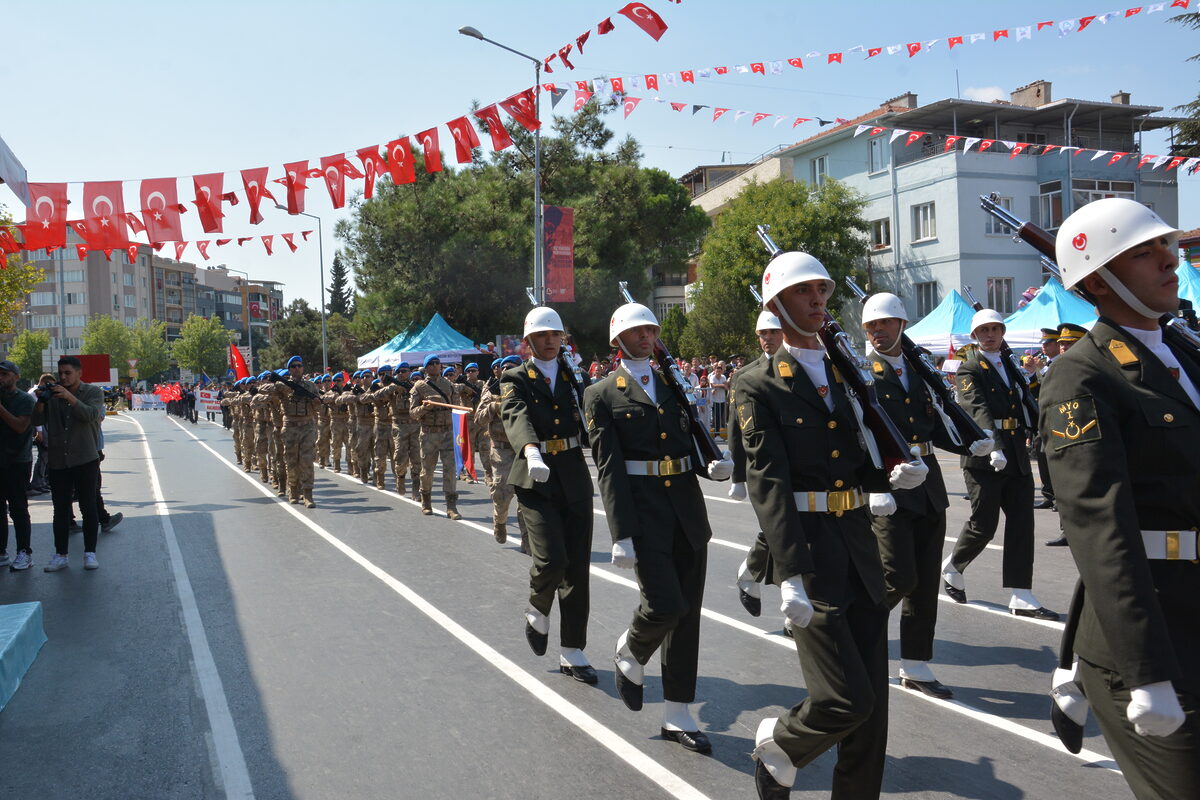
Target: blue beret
x=431, y=358
x=472, y=365
x=295, y=360
x=404, y=365
x=499, y=362
x=262, y=376
x=356, y=373
x=514, y=360
x=447, y=370
x=386, y=368
x=339, y=376
x=418, y=374
x=326, y=377
x=375, y=384
x=281, y=372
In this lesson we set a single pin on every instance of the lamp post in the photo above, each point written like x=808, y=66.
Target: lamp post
x=321, y=261
x=539, y=246
x=249, y=324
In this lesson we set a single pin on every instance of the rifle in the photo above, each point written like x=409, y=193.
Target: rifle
x=883, y=439
x=1181, y=329
x=299, y=388
x=1016, y=375
x=968, y=430
x=668, y=370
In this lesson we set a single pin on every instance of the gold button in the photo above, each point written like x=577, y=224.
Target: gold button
x=799, y=420
x=837, y=513
x=556, y=421
x=914, y=437
x=662, y=435
x=835, y=454
x=831, y=424
x=667, y=482
x=661, y=411
x=839, y=484
x=1168, y=417
x=907, y=401
x=556, y=408
x=629, y=416
x=910, y=419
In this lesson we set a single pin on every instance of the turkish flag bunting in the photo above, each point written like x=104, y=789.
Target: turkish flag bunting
x=913, y=48
x=998, y=35
x=721, y=70
x=581, y=99
x=652, y=82
x=618, y=85
x=131, y=252
x=630, y=104
x=546, y=64
x=1142, y=161
x=287, y=237
x=687, y=76
x=646, y=19
x=104, y=215
x=158, y=246
x=759, y=68
x=135, y=222
x=873, y=51
x=296, y=181
x=605, y=26
x=208, y=200
x=81, y=250
x=465, y=138
x=223, y=242
x=679, y=106
x=266, y=240
x=255, y=182
x=202, y=246
x=1049, y=148
x=1017, y=150
x=580, y=39
x=179, y=248
x=1116, y=157
x=801, y=119
x=563, y=52
x=834, y=58
x=877, y=131
x=1085, y=21
x=759, y=117
x=1129, y=12
x=953, y=40
x=1041, y=25
x=335, y=179
x=490, y=116
x=1175, y=162
x=521, y=107
x=718, y=112
x=46, y=219
x=950, y=142
x=305, y=234
x=796, y=62
x=400, y=161
x=373, y=167
x=913, y=137
x=160, y=210
x=985, y=144
x=433, y=153
x=8, y=244
x=243, y=239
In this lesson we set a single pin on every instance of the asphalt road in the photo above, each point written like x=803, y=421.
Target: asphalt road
x=232, y=645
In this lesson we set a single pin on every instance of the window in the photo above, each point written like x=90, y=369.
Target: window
x=75, y=320
x=75, y=298
x=130, y=301
x=127, y=279
x=1031, y=138
x=819, y=170
x=927, y=297
x=1085, y=191
x=143, y=281
x=995, y=227
x=114, y=278
x=924, y=222
x=130, y=321
x=72, y=343
x=881, y=234
x=72, y=276
x=1050, y=210
x=1000, y=294
x=42, y=299
x=879, y=149
x=43, y=321
x=143, y=304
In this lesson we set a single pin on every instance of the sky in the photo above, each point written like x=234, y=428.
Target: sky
x=132, y=90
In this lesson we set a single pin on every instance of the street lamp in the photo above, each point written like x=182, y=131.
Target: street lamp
x=539, y=265
x=249, y=324
x=321, y=257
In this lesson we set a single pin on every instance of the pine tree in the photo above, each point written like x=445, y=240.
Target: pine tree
x=339, y=289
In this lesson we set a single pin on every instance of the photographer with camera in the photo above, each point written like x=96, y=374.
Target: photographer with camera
x=71, y=412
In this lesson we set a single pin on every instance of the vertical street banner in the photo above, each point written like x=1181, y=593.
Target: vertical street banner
x=558, y=232
x=464, y=458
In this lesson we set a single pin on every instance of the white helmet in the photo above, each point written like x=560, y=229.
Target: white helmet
x=884, y=305
x=630, y=315
x=767, y=322
x=542, y=319
x=1102, y=230
x=788, y=269
x=984, y=316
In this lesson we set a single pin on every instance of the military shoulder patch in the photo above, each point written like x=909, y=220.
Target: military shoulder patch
x=745, y=416
x=1121, y=352
x=507, y=389
x=1073, y=422
x=965, y=383
x=620, y=381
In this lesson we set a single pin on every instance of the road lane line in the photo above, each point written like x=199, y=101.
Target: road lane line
x=231, y=761
x=667, y=780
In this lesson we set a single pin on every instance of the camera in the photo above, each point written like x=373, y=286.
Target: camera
x=46, y=392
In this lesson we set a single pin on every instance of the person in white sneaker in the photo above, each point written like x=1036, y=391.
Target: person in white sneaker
x=16, y=463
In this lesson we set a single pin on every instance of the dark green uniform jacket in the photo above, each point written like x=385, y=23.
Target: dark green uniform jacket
x=1123, y=444
x=983, y=394
x=533, y=413
x=734, y=430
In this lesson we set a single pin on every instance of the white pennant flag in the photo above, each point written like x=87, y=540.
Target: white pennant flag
x=929, y=45
x=669, y=79
x=1067, y=147
x=635, y=82
x=1154, y=7
x=1025, y=32
x=861, y=128
x=974, y=37
x=741, y=68
x=1104, y=18
x=705, y=72
x=970, y=142
x=1066, y=26
x=739, y=114
x=1190, y=164
x=896, y=134
x=781, y=119
x=1160, y=160
x=776, y=67
x=813, y=54
x=602, y=89
x=858, y=48
x=892, y=49
x=1100, y=153
x=658, y=99
x=1010, y=145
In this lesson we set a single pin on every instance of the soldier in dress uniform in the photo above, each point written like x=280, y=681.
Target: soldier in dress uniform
x=406, y=432
x=540, y=411
x=809, y=478
x=1050, y=350
x=381, y=400
x=500, y=451
x=279, y=465
x=437, y=440
x=339, y=416
x=647, y=470
x=1068, y=334
x=1122, y=427
x=348, y=399
x=300, y=399
x=323, y=421
x=1000, y=481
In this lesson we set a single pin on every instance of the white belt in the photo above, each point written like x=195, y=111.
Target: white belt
x=558, y=445
x=1170, y=545
x=826, y=502
x=667, y=466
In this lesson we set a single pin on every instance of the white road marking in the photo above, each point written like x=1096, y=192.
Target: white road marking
x=231, y=762
x=667, y=780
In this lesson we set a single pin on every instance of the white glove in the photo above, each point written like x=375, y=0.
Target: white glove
x=1067, y=694
x=882, y=504
x=984, y=445
x=623, y=556
x=720, y=470
x=999, y=460
x=1154, y=709
x=737, y=491
x=538, y=469
x=908, y=475
x=796, y=606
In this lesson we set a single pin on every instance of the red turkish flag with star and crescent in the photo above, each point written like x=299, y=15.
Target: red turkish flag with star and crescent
x=267, y=240
x=759, y=117
x=202, y=246
x=630, y=104
x=490, y=116
x=335, y=178
x=255, y=182
x=400, y=161
x=104, y=215
x=581, y=99
x=131, y=251
x=209, y=189
x=179, y=248
x=652, y=82
x=287, y=237
x=373, y=167
x=46, y=217
x=160, y=210
x=465, y=138
x=429, y=146
x=521, y=107
x=646, y=19
x=296, y=181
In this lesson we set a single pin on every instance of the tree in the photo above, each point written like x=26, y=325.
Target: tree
x=1187, y=138
x=340, y=290
x=26, y=353
x=673, y=327
x=148, y=344
x=103, y=334
x=297, y=332
x=18, y=278
x=203, y=345
x=825, y=222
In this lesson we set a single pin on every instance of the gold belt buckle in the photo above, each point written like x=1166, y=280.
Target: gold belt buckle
x=1172, y=545
x=838, y=501
x=556, y=445
x=670, y=466
x=1009, y=424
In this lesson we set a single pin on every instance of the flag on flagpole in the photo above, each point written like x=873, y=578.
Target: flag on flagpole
x=464, y=458
x=237, y=363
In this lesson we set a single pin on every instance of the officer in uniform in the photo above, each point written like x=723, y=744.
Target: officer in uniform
x=999, y=481
x=339, y=416
x=381, y=400
x=809, y=477
x=910, y=524
x=437, y=440
x=264, y=429
x=644, y=453
x=1122, y=427
x=500, y=452
x=1068, y=334
x=541, y=418
x=323, y=421
x=406, y=432
x=1050, y=352
x=300, y=400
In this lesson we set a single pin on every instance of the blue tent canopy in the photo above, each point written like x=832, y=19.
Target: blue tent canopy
x=1189, y=283
x=949, y=321
x=437, y=337
x=1052, y=306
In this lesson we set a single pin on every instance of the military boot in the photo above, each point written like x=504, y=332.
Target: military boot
x=452, y=507
x=499, y=531
x=426, y=503
x=416, y=495
x=337, y=466
x=380, y=481
x=308, y=501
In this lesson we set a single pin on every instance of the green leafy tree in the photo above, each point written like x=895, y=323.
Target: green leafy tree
x=18, y=278
x=340, y=291
x=297, y=332
x=826, y=222
x=1187, y=138
x=673, y=327
x=202, y=346
x=103, y=334
x=26, y=353
x=148, y=344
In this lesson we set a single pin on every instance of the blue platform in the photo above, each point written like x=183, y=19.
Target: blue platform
x=21, y=637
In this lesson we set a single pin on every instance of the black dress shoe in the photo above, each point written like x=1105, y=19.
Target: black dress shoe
x=768, y=788
x=112, y=522
x=1035, y=613
x=629, y=692
x=752, y=604
x=585, y=674
x=1045, y=504
x=537, y=641
x=1070, y=732
x=957, y=595
x=934, y=688
x=1061, y=541
x=695, y=741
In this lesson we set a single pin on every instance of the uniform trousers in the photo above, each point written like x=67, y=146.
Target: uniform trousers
x=990, y=493
x=262, y=445
x=299, y=441
x=322, y=439
x=438, y=443
x=910, y=545
x=500, y=459
x=560, y=542
x=406, y=450
x=338, y=432
x=383, y=451
x=671, y=582
x=363, y=441
x=481, y=442
x=758, y=560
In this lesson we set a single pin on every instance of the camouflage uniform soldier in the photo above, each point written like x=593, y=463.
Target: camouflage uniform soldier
x=300, y=403
x=364, y=423
x=246, y=428
x=406, y=444
x=481, y=442
x=229, y=401
x=436, y=437
x=381, y=400
x=339, y=423
x=500, y=452
x=264, y=430
x=323, y=423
